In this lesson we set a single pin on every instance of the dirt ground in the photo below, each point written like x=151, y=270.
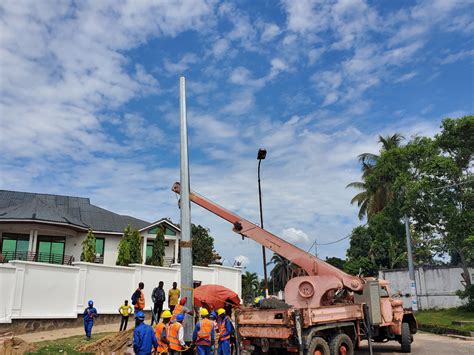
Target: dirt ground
x=120, y=342
x=10, y=345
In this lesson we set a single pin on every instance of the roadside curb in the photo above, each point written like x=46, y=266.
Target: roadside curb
x=435, y=329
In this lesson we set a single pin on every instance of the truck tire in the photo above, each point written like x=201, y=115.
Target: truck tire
x=341, y=344
x=318, y=346
x=405, y=338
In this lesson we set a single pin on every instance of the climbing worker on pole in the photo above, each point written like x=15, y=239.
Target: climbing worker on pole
x=176, y=336
x=225, y=331
x=204, y=335
x=181, y=309
x=162, y=332
x=144, y=339
x=89, y=314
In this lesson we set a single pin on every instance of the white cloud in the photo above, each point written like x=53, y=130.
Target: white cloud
x=405, y=77
x=242, y=260
x=455, y=57
x=182, y=65
x=294, y=235
x=270, y=31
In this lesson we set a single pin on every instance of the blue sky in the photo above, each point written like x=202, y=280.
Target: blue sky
x=89, y=102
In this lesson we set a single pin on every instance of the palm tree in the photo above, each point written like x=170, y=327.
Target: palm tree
x=282, y=271
x=372, y=202
x=249, y=286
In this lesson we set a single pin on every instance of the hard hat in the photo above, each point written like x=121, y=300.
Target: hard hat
x=257, y=300
x=90, y=303
x=180, y=317
x=140, y=315
x=166, y=314
x=204, y=312
x=220, y=311
x=213, y=315
x=182, y=301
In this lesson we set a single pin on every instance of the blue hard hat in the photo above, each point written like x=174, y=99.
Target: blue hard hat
x=213, y=314
x=180, y=317
x=140, y=315
x=90, y=303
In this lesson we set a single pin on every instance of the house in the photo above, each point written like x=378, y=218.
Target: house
x=50, y=228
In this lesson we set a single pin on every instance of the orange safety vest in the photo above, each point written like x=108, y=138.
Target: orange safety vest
x=141, y=301
x=162, y=347
x=205, y=330
x=177, y=310
x=174, y=336
x=222, y=330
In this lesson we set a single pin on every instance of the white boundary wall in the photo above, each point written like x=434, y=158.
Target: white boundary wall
x=435, y=286
x=30, y=290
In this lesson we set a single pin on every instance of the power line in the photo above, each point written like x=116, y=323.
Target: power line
x=329, y=243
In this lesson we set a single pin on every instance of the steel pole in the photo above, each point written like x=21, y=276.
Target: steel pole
x=261, y=225
x=185, y=244
x=411, y=269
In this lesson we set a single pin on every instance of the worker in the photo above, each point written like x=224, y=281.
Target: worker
x=173, y=296
x=138, y=298
x=204, y=335
x=162, y=332
x=144, y=339
x=181, y=308
x=89, y=314
x=176, y=336
x=125, y=311
x=158, y=297
x=213, y=318
x=225, y=331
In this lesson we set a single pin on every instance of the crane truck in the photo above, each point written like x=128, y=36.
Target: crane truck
x=326, y=311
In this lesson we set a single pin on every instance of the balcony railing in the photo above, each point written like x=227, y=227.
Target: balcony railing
x=49, y=258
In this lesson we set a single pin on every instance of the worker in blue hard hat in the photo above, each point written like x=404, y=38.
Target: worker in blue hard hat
x=144, y=338
x=89, y=314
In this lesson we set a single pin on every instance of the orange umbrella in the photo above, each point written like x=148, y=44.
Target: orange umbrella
x=214, y=297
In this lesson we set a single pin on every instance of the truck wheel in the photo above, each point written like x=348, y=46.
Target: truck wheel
x=405, y=338
x=318, y=346
x=341, y=344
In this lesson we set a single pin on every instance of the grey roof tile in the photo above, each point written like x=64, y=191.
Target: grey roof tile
x=75, y=211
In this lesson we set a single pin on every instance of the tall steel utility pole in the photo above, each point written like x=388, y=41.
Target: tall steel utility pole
x=411, y=269
x=186, y=243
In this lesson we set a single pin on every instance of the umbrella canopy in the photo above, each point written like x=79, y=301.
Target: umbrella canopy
x=214, y=297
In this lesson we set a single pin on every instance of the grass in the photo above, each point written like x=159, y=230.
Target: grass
x=445, y=317
x=64, y=346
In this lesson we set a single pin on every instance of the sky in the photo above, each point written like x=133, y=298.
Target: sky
x=89, y=103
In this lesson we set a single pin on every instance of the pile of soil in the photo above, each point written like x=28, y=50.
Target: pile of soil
x=10, y=345
x=273, y=303
x=119, y=342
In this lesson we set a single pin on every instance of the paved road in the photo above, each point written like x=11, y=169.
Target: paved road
x=425, y=344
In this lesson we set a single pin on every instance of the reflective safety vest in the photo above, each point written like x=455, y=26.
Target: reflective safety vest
x=177, y=310
x=162, y=347
x=222, y=330
x=205, y=330
x=174, y=336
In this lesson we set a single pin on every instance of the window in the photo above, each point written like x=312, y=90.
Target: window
x=50, y=249
x=154, y=230
x=149, y=249
x=15, y=246
x=99, y=250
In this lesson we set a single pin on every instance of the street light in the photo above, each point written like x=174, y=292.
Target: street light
x=262, y=153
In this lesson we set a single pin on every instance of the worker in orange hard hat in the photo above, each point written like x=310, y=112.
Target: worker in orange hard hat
x=162, y=332
x=181, y=309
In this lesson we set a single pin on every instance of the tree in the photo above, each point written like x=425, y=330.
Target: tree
x=283, y=270
x=203, y=247
x=135, y=247
x=372, y=200
x=249, y=286
x=88, y=248
x=158, y=255
x=129, y=249
x=123, y=257
x=337, y=262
